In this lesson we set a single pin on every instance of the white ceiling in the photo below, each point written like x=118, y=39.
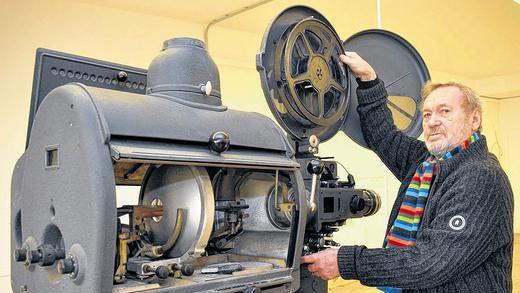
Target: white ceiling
x=473, y=38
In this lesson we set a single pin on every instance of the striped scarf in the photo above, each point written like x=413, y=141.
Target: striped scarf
x=404, y=230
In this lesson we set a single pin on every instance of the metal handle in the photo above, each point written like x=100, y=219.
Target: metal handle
x=313, y=192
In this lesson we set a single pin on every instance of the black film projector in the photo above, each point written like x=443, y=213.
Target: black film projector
x=312, y=95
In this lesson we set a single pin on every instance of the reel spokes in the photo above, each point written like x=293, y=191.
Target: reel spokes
x=314, y=76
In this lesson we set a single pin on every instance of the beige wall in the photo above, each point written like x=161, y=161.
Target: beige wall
x=134, y=39
x=507, y=146
x=117, y=36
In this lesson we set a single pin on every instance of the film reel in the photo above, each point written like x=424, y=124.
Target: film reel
x=310, y=92
x=313, y=80
x=305, y=83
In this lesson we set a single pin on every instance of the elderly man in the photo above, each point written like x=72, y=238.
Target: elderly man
x=450, y=229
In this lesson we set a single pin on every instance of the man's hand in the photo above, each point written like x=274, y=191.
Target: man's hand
x=323, y=264
x=359, y=67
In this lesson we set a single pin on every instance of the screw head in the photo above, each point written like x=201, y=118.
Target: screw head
x=122, y=76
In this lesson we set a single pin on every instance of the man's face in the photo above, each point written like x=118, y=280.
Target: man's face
x=445, y=122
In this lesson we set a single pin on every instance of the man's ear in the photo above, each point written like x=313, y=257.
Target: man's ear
x=475, y=119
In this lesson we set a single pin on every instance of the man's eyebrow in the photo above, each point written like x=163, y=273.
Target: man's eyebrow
x=436, y=106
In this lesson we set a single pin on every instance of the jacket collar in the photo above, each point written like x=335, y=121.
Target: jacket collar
x=475, y=151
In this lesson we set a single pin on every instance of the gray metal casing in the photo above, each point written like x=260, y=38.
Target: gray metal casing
x=95, y=129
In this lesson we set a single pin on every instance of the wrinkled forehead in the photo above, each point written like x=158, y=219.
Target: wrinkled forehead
x=450, y=96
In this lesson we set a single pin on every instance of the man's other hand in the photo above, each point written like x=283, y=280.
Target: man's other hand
x=323, y=264
x=359, y=67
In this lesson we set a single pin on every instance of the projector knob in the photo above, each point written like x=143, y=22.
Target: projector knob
x=315, y=166
x=20, y=254
x=187, y=269
x=162, y=272
x=66, y=266
x=219, y=142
